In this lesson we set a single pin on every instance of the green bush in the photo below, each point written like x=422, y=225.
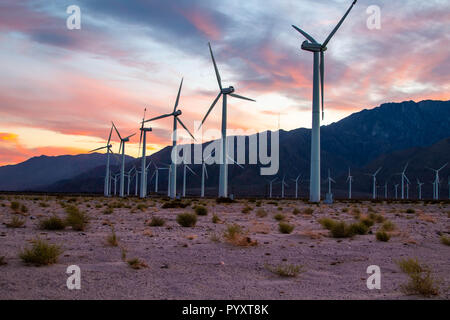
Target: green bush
x=215, y=218
x=410, y=210
x=367, y=221
x=15, y=205
x=224, y=200
x=187, y=219
x=279, y=217
x=341, y=230
x=382, y=236
x=296, y=211
x=52, y=223
x=445, y=240
x=157, y=222
x=15, y=222
x=308, y=211
x=327, y=223
x=200, y=210
x=76, y=219
x=261, y=213
x=359, y=228
x=246, y=209
x=285, y=227
x=388, y=226
x=174, y=204
x=288, y=270
x=41, y=253
x=421, y=281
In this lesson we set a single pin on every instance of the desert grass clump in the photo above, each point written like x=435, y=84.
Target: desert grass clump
x=41, y=253
x=296, y=211
x=175, y=204
x=341, y=230
x=136, y=264
x=285, y=227
x=157, y=222
x=421, y=280
x=108, y=210
x=246, y=209
x=234, y=234
x=378, y=218
x=359, y=228
x=52, y=223
x=201, y=210
x=279, y=217
x=410, y=210
x=112, y=239
x=308, y=211
x=388, y=226
x=261, y=213
x=327, y=223
x=76, y=219
x=382, y=236
x=224, y=200
x=15, y=222
x=445, y=240
x=44, y=205
x=141, y=207
x=367, y=221
x=215, y=218
x=15, y=205
x=23, y=208
x=285, y=270
x=3, y=261
x=187, y=219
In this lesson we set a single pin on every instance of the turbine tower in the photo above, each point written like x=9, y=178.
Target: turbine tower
x=396, y=191
x=318, y=76
x=270, y=186
x=224, y=92
x=173, y=167
x=122, y=171
x=419, y=186
x=108, y=147
x=283, y=184
x=374, y=187
x=436, y=181
x=403, y=179
x=296, y=185
x=330, y=180
x=349, y=180
x=204, y=172
x=385, y=190
x=143, y=141
x=184, y=178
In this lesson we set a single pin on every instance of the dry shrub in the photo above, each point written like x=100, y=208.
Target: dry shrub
x=234, y=234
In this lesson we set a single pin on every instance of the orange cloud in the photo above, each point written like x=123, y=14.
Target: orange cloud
x=203, y=23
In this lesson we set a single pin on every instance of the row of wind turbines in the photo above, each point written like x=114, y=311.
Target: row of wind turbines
x=310, y=45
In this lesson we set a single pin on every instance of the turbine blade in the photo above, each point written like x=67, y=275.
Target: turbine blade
x=206, y=171
x=210, y=108
x=443, y=166
x=98, y=149
x=140, y=139
x=115, y=128
x=178, y=96
x=187, y=167
x=215, y=67
x=322, y=67
x=338, y=25
x=182, y=124
x=241, y=97
x=376, y=172
x=232, y=160
x=307, y=36
x=160, y=117
x=110, y=134
x=132, y=135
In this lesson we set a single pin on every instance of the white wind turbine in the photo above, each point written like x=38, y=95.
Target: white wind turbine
x=270, y=186
x=128, y=175
x=436, y=181
x=396, y=191
x=330, y=180
x=318, y=76
x=184, y=178
x=173, y=167
x=296, y=185
x=407, y=189
x=204, y=172
x=224, y=92
x=143, y=140
x=122, y=147
x=403, y=179
x=349, y=180
x=283, y=184
x=374, y=187
x=385, y=190
x=419, y=186
x=108, y=147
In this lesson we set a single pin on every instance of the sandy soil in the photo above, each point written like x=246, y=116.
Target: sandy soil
x=197, y=263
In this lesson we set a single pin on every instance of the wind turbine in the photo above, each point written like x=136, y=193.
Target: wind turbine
x=419, y=186
x=318, y=75
x=385, y=190
x=108, y=147
x=122, y=147
x=283, y=184
x=396, y=189
x=436, y=181
x=128, y=175
x=403, y=179
x=176, y=113
x=349, y=180
x=204, y=172
x=330, y=180
x=296, y=185
x=143, y=140
x=407, y=188
x=224, y=92
x=270, y=186
x=374, y=176
x=184, y=178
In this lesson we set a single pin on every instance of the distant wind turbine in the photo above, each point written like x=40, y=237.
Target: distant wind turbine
x=318, y=75
x=224, y=93
x=184, y=177
x=349, y=180
x=296, y=185
x=122, y=171
x=403, y=179
x=270, y=186
x=436, y=181
x=175, y=114
x=283, y=184
x=330, y=180
x=143, y=141
x=108, y=147
x=385, y=190
x=396, y=191
x=374, y=188
x=419, y=186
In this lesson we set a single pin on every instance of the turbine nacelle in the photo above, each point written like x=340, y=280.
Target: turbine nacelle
x=177, y=113
x=313, y=47
x=228, y=90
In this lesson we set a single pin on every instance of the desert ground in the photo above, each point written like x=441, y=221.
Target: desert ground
x=216, y=259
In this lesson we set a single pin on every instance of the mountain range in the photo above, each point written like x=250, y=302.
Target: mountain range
x=387, y=136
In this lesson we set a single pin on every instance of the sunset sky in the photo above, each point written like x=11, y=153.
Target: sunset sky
x=60, y=88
